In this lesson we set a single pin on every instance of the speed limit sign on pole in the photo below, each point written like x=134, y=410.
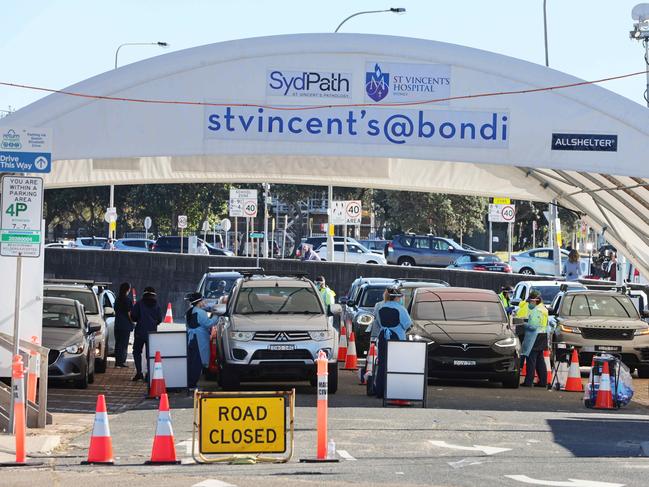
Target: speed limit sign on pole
x=182, y=221
x=250, y=208
x=508, y=213
x=353, y=212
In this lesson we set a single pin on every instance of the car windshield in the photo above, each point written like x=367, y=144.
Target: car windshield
x=484, y=258
x=371, y=296
x=87, y=298
x=460, y=311
x=215, y=287
x=599, y=306
x=59, y=316
x=277, y=300
x=547, y=292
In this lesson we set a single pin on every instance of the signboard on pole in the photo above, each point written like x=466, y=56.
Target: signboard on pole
x=502, y=213
x=111, y=215
x=22, y=214
x=226, y=225
x=243, y=203
x=27, y=150
x=501, y=201
x=147, y=223
x=346, y=212
x=182, y=221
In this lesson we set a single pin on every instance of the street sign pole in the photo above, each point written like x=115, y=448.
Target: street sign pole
x=330, y=237
x=491, y=238
x=16, y=337
x=510, y=242
x=284, y=238
x=344, y=243
x=182, y=235
x=554, y=210
x=236, y=236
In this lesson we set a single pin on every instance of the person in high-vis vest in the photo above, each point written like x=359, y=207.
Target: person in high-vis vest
x=505, y=297
x=327, y=295
x=535, y=341
x=199, y=328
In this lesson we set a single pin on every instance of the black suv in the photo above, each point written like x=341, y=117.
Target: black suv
x=172, y=244
x=424, y=250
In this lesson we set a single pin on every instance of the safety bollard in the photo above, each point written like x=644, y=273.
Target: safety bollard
x=34, y=367
x=323, y=391
x=18, y=393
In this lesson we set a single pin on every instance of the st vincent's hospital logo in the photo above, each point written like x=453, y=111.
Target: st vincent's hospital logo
x=377, y=83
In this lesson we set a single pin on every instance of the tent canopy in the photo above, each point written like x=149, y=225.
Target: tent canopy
x=355, y=110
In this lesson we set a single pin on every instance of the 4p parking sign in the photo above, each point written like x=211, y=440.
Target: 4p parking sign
x=21, y=217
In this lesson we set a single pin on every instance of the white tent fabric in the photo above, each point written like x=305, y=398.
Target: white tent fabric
x=369, y=143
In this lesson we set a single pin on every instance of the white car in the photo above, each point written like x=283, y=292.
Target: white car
x=356, y=253
x=134, y=244
x=90, y=243
x=536, y=261
x=548, y=290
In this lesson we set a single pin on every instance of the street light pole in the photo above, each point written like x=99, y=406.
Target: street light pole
x=640, y=32
x=397, y=10
x=159, y=43
x=545, y=32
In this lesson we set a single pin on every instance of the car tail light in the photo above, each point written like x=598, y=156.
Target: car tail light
x=508, y=268
x=479, y=268
x=390, y=247
x=153, y=247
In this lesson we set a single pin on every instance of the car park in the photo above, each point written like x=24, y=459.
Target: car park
x=273, y=328
x=83, y=292
x=70, y=336
x=423, y=250
x=538, y=262
x=548, y=289
x=481, y=262
x=468, y=334
x=134, y=244
x=355, y=253
x=596, y=321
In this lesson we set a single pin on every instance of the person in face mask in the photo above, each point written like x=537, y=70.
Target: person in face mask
x=327, y=295
x=535, y=341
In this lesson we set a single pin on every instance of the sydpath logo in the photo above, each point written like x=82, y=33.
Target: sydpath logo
x=377, y=83
x=11, y=140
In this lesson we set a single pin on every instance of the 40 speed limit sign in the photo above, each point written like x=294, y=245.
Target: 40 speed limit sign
x=22, y=214
x=353, y=212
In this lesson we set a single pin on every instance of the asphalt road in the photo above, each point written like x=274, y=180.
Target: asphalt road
x=471, y=434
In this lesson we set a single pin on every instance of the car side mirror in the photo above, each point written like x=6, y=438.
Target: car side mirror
x=644, y=314
x=515, y=302
x=336, y=309
x=94, y=327
x=109, y=312
x=518, y=320
x=551, y=310
x=219, y=309
x=451, y=249
x=351, y=303
x=343, y=300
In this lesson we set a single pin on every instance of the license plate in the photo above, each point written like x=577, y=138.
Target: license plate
x=281, y=348
x=464, y=363
x=607, y=348
x=493, y=268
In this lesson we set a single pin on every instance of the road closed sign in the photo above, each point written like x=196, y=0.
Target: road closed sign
x=242, y=424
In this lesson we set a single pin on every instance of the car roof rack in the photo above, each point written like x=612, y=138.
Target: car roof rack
x=236, y=269
x=299, y=274
x=431, y=281
x=84, y=282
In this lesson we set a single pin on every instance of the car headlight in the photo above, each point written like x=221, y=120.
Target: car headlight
x=242, y=336
x=321, y=335
x=419, y=338
x=74, y=349
x=365, y=319
x=642, y=331
x=569, y=329
x=506, y=342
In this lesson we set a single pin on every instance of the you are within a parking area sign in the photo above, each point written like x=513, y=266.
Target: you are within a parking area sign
x=22, y=213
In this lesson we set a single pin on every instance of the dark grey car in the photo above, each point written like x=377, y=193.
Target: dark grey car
x=424, y=250
x=71, y=340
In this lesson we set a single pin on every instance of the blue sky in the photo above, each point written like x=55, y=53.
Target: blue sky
x=54, y=43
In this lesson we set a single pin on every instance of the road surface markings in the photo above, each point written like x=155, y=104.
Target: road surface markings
x=487, y=450
x=466, y=462
x=213, y=483
x=344, y=454
x=561, y=483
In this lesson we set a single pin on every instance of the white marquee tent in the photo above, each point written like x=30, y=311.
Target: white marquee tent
x=254, y=121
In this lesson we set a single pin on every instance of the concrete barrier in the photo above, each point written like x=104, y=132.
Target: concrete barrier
x=174, y=275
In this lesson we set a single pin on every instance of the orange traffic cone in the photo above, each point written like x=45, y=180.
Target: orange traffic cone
x=158, y=386
x=369, y=366
x=101, y=444
x=169, y=317
x=351, y=361
x=164, y=447
x=548, y=366
x=342, y=346
x=604, y=397
x=134, y=295
x=524, y=369
x=573, y=384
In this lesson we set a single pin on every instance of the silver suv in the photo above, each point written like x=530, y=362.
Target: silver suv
x=86, y=293
x=273, y=328
x=602, y=322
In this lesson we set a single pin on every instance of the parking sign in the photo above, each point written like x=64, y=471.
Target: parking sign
x=22, y=214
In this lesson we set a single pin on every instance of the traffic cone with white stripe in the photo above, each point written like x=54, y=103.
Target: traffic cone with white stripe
x=342, y=345
x=604, y=398
x=351, y=361
x=548, y=366
x=158, y=386
x=101, y=444
x=573, y=384
x=164, y=447
x=169, y=317
x=369, y=366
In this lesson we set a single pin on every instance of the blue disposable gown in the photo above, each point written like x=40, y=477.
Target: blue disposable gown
x=202, y=333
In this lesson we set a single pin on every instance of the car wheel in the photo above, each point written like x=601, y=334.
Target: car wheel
x=527, y=271
x=332, y=384
x=101, y=364
x=406, y=261
x=643, y=371
x=371, y=262
x=512, y=381
x=84, y=381
x=229, y=380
